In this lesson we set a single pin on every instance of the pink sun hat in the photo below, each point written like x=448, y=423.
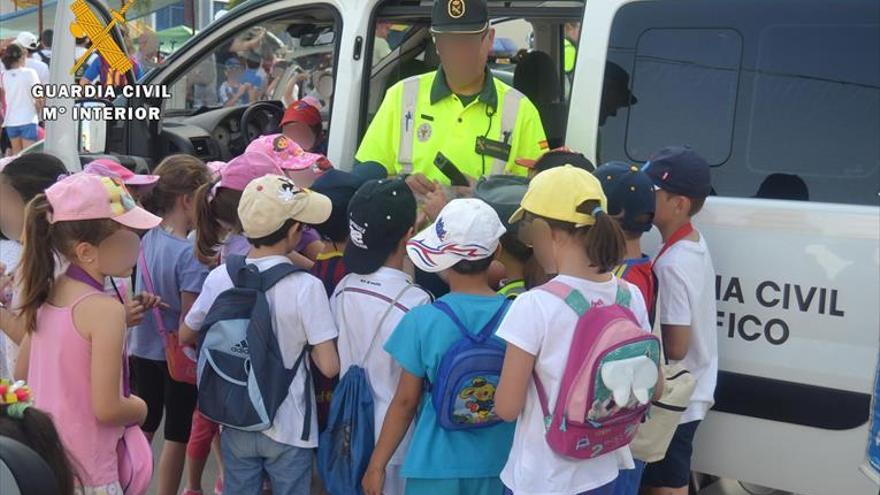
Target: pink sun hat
x=241, y=170
x=106, y=167
x=301, y=166
x=87, y=196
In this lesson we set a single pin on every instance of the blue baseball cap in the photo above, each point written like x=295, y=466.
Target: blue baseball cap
x=680, y=170
x=630, y=192
x=233, y=63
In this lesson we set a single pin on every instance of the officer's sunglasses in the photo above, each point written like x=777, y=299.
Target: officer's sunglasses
x=454, y=41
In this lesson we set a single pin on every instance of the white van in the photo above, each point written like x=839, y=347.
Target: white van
x=781, y=96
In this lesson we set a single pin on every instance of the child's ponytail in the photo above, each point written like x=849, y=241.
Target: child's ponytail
x=37, y=259
x=213, y=205
x=604, y=240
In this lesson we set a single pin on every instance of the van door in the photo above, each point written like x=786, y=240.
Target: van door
x=292, y=48
x=783, y=100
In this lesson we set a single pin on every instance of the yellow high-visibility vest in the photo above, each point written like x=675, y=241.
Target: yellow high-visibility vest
x=420, y=117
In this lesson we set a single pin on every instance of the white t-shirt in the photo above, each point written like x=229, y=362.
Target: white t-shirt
x=40, y=67
x=543, y=325
x=686, y=296
x=20, y=106
x=358, y=315
x=300, y=315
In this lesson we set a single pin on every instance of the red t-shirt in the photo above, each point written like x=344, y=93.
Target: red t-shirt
x=638, y=271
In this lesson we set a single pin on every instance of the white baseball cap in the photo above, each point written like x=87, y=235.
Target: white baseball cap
x=27, y=40
x=466, y=230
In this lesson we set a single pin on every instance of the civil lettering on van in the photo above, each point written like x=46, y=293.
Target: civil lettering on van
x=781, y=297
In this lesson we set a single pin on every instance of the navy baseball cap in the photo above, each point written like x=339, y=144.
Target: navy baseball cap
x=459, y=16
x=680, y=170
x=340, y=187
x=379, y=214
x=503, y=193
x=630, y=192
x=233, y=63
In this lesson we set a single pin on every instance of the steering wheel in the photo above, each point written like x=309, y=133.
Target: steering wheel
x=261, y=118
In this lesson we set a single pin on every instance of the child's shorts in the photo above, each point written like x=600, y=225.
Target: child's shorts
x=674, y=471
x=27, y=131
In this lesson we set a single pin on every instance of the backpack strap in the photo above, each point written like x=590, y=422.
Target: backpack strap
x=487, y=330
x=571, y=296
x=277, y=273
x=624, y=296
x=144, y=272
x=307, y=414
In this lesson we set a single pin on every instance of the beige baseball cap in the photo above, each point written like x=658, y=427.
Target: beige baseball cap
x=271, y=200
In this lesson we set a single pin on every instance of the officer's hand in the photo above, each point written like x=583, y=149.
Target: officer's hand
x=434, y=203
x=465, y=191
x=420, y=184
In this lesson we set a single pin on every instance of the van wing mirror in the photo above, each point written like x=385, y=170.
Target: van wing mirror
x=91, y=128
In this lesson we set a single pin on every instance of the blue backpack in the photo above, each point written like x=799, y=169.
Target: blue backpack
x=464, y=390
x=347, y=442
x=242, y=379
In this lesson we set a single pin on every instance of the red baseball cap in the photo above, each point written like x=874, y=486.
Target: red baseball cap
x=301, y=111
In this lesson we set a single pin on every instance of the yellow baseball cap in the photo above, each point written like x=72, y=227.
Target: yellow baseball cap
x=271, y=200
x=557, y=193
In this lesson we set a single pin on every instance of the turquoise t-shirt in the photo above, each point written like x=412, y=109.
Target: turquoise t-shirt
x=418, y=344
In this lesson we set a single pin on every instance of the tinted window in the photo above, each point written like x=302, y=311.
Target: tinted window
x=684, y=77
x=783, y=98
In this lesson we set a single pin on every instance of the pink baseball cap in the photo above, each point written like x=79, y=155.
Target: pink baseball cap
x=87, y=196
x=109, y=168
x=288, y=154
x=238, y=173
x=215, y=168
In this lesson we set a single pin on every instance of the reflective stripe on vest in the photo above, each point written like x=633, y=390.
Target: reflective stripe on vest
x=509, y=113
x=407, y=124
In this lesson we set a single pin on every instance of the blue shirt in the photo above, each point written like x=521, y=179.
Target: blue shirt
x=253, y=77
x=173, y=269
x=94, y=75
x=418, y=345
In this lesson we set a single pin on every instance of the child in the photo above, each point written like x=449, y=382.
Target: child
x=504, y=193
x=382, y=215
x=20, y=181
x=232, y=91
x=22, y=422
x=556, y=158
x=686, y=307
x=218, y=226
x=177, y=277
x=340, y=187
x=302, y=123
x=22, y=109
x=73, y=356
x=273, y=211
x=462, y=243
x=563, y=217
x=631, y=202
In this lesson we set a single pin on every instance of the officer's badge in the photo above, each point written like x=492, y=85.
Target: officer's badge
x=424, y=132
x=456, y=9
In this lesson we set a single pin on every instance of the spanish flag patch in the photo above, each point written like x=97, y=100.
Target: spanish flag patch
x=544, y=145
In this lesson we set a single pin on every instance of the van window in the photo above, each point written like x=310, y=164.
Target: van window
x=783, y=99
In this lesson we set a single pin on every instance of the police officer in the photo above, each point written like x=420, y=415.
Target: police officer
x=458, y=118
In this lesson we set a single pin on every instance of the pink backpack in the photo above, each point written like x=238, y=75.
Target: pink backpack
x=608, y=383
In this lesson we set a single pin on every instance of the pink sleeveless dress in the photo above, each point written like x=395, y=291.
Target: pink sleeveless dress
x=59, y=373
